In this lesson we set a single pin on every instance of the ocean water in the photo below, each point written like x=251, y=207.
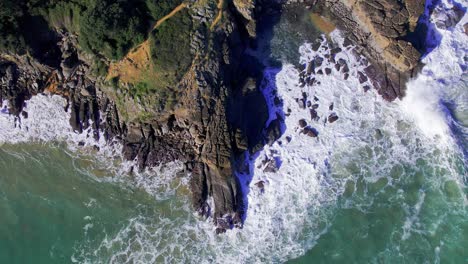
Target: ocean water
x=385, y=183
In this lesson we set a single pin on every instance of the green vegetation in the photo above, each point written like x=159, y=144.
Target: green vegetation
x=149, y=94
x=108, y=27
x=159, y=8
x=59, y=14
x=113, y=28
x=11, y=16
x=99, y=67
x=171, y=36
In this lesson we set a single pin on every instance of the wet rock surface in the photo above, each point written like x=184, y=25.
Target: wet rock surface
x=379, y=28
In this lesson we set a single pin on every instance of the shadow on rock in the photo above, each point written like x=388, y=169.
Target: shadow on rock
x=426, y=37
x=256, y=110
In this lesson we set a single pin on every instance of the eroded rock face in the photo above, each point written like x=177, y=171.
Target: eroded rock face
x=246, y=9
x=379, y=28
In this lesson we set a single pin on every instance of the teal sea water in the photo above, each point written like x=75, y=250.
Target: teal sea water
x=58, y=207
x=55, y=211
x=385, y=184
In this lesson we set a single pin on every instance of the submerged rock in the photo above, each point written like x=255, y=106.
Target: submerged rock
x=302, y=123
x=311, y=132
x=332, y=118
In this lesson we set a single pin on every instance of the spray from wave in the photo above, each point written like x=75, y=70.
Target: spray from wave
x=435, y=91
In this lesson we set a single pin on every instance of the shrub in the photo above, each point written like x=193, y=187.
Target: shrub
x=170, y=45
x=160, y=8
x=113, y=28
x=11, y=16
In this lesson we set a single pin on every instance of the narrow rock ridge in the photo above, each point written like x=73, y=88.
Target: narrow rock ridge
x=220, y=114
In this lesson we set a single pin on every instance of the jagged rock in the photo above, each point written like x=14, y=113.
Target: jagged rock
x=362, y=77
x=272, y=166
x=274, y=130
x=335, y=51
x=246, y=9
x=318, y=61
x=311, y=132
x=310, y=68
x=313, y=115
x=302, y=123
x=260, y=185
x=447, y=19
x=316, y=46
x=345, y=69
x=379, y=27
x=332, y=118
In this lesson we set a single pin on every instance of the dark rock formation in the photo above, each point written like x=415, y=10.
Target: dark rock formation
x=302, y=123
x=332, y=118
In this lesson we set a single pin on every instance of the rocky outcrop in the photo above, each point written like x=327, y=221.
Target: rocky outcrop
x=246, y=9
x=20, y=78
x=379, y=29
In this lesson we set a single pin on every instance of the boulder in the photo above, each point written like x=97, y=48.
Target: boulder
x=332, y=118
x=302, y=123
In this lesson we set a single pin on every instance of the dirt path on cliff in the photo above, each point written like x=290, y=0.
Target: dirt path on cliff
x=220, y=14
x=171, y=14
x=137, y=61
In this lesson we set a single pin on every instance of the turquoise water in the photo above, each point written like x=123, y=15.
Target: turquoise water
x=54, y=206
x=417, y=214
x=57, y=208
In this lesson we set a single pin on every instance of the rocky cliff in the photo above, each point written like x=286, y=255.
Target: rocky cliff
x=217, y=115
x=380, y=29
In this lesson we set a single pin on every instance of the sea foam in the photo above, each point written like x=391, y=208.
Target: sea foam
x=444, y=67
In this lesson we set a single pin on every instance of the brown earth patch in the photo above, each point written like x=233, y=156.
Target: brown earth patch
x=322, y=24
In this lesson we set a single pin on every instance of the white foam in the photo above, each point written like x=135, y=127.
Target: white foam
x=46, y=121
x=423, y=102
x=411, y=222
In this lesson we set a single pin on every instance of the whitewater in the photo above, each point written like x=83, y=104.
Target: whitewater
x=366, y=153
